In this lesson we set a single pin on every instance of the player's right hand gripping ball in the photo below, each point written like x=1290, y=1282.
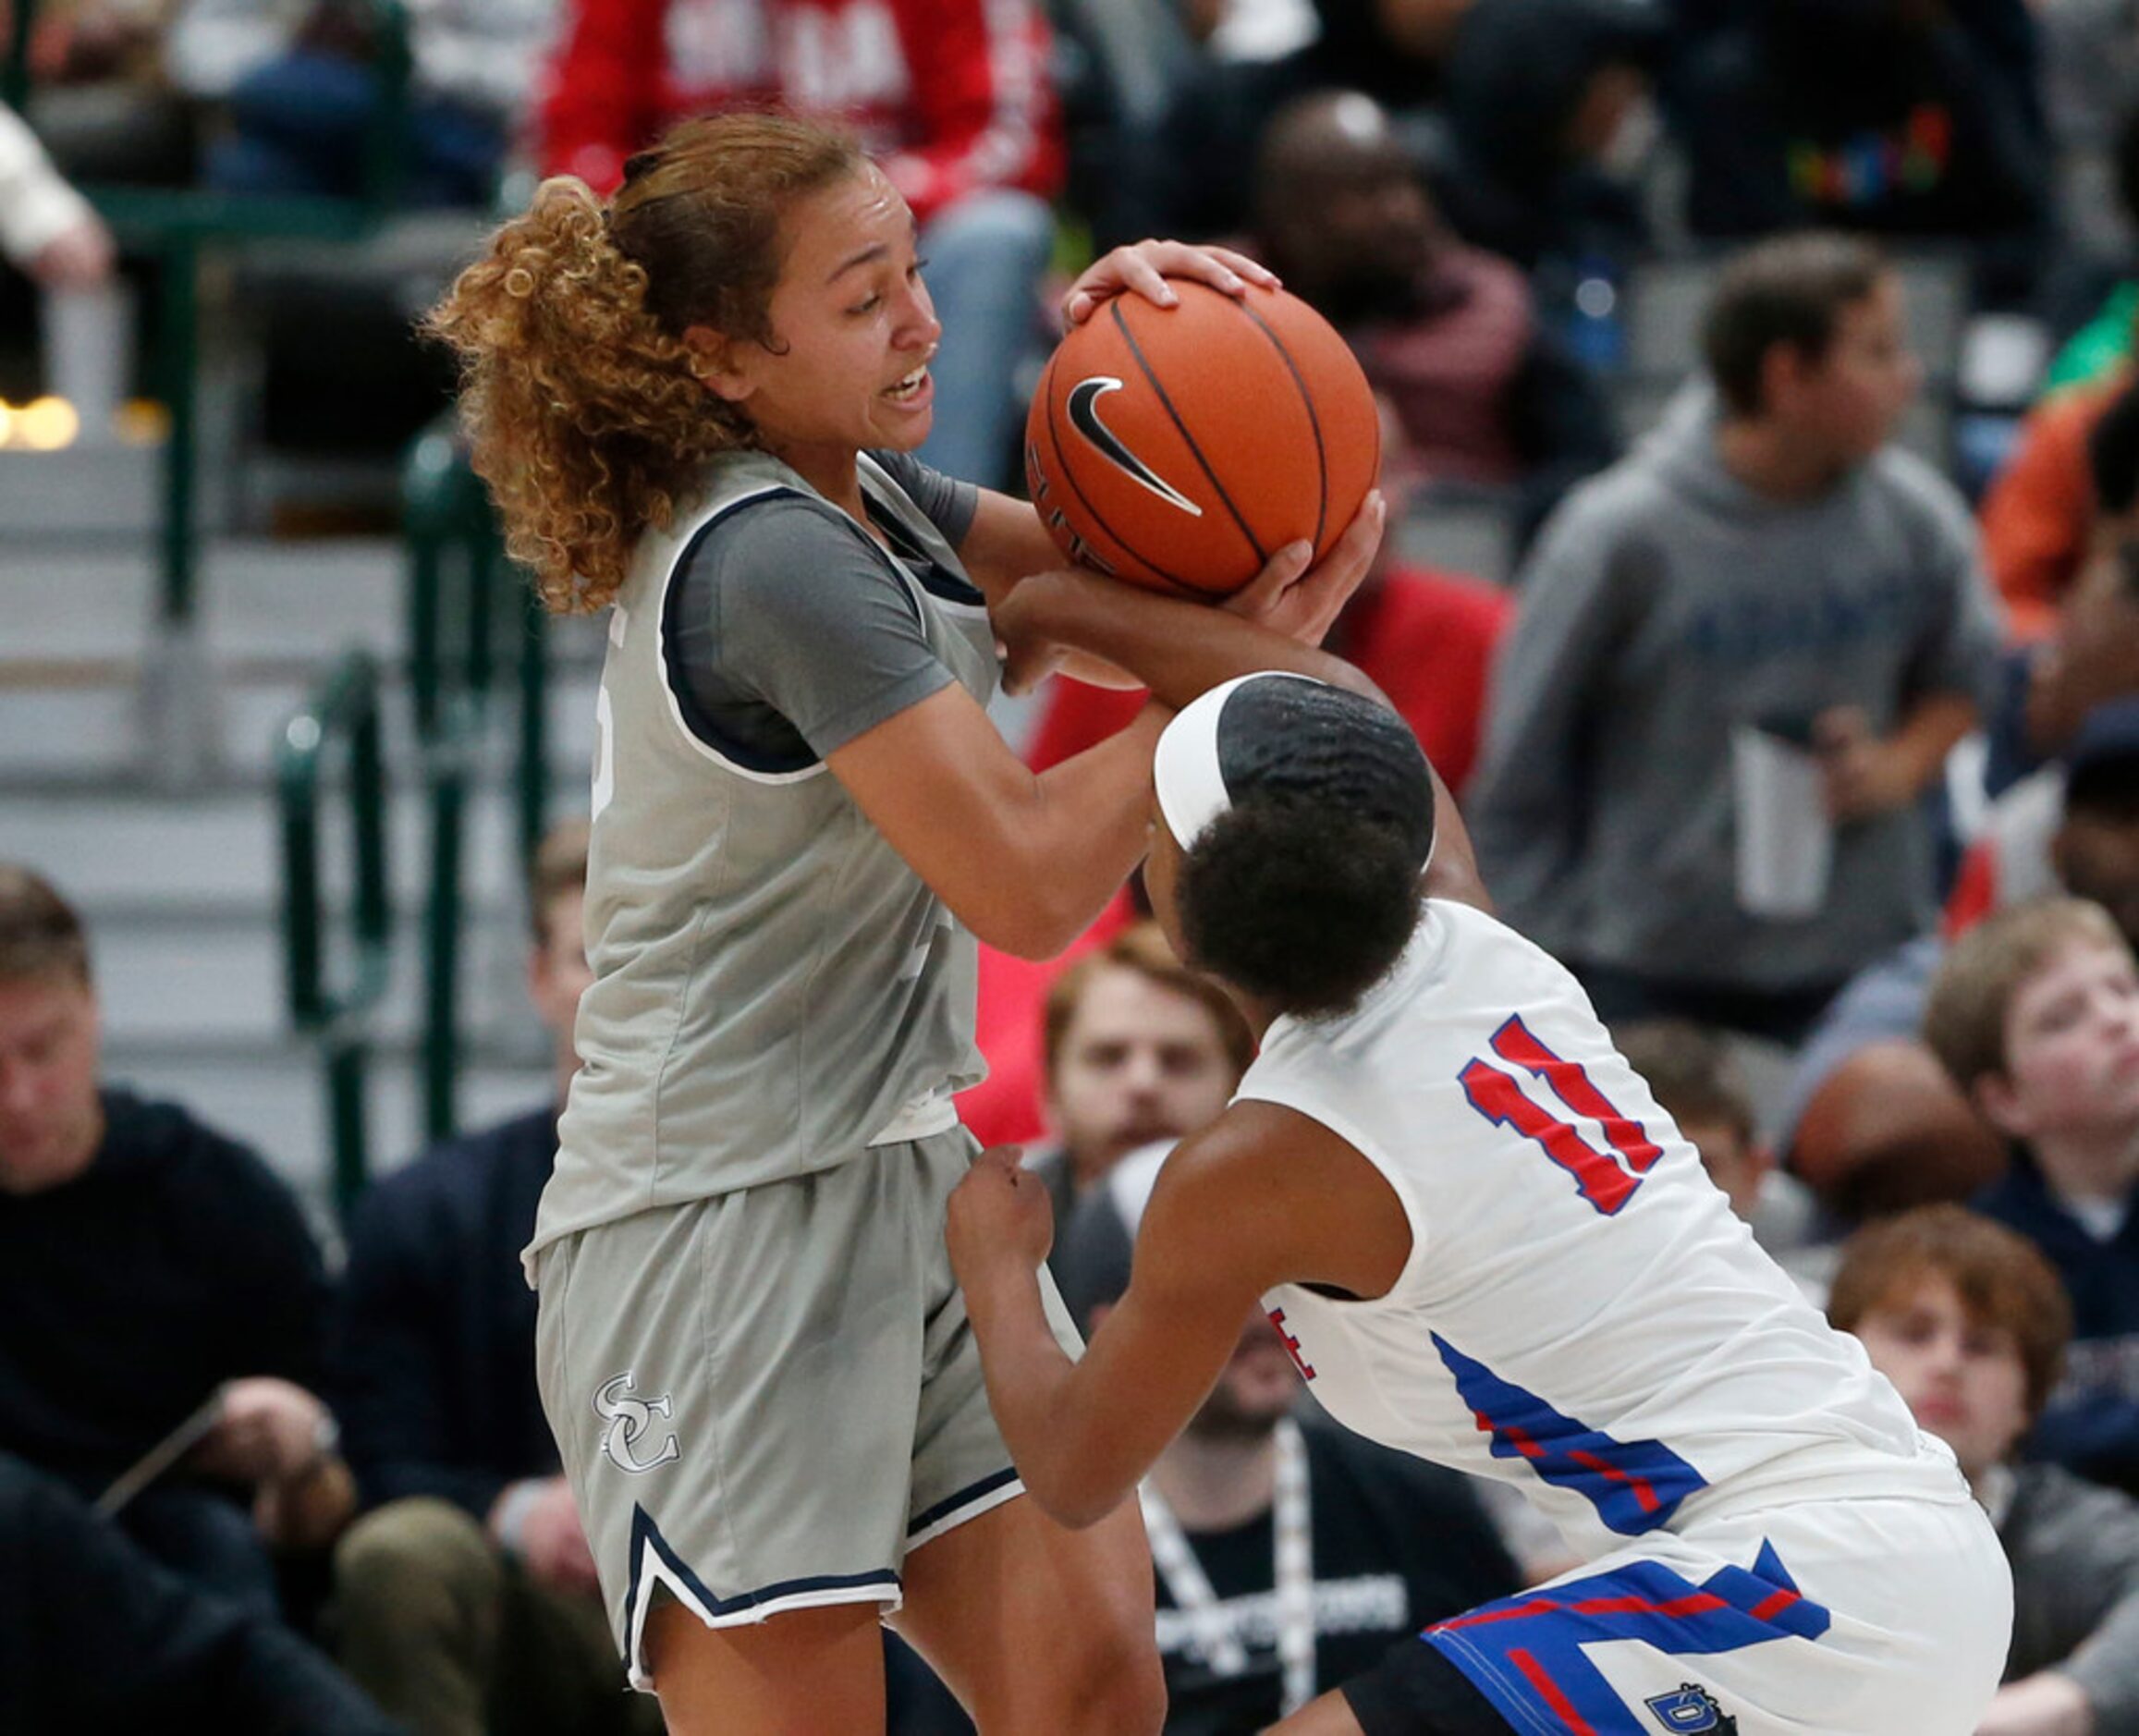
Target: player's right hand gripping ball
x=1181, y=447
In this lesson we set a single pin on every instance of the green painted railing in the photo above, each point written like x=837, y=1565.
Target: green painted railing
x=471, y=621
x=449, y=770
x=470, y=613
x=341, y=720
x=14, y=75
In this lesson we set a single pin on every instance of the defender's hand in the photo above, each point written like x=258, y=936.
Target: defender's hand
x=999, y=1218
x=1142, y=268
x=1290, y=597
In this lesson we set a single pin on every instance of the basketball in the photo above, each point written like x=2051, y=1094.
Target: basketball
x=1180, y=447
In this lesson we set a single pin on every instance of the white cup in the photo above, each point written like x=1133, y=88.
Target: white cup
x=1786, y=843
x=89, y=352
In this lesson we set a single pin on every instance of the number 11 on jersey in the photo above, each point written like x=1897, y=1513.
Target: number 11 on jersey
x=1496, y=1096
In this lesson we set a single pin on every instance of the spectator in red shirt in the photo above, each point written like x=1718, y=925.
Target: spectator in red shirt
x=951, y=97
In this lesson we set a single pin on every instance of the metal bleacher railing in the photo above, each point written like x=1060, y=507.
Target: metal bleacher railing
x=470, y=618
x=14, y=75
x=340, y=722
x=470, y=611
x=335, y=744
x=182, y=228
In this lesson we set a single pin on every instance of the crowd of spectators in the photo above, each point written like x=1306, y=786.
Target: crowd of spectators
x=1519, y=160
x=1816, y=757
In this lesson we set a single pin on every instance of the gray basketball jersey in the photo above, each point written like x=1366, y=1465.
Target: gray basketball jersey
x=775, y=989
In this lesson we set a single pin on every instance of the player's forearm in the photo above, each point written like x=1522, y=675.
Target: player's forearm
x=1006, y=545
x=1178, y=649
x=1031, y=1383
x=1084, y=837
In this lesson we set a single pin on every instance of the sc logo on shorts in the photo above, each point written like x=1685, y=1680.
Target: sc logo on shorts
x=629, y=1418
x=1689, y=1709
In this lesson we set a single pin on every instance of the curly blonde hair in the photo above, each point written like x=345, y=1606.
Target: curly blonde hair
x=582, y=408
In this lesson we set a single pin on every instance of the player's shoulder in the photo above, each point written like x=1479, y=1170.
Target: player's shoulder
x=1235, y=1177
x=904, y=472
x=1207, y=1167
x=1214, y=1209
x=1492, y=976
x=747, y=564
x=1472, y=940
x=1292, y=1191
x=763, y=533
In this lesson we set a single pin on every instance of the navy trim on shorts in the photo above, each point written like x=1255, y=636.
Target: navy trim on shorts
x=646, y=1534
x=972, y=1492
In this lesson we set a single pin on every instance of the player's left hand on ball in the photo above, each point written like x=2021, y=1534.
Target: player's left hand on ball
x=1142, y=268
x=998, y=1213
x=1290, y=597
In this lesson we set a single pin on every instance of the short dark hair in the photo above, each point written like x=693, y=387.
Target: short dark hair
x=1305, y=890
x=2002, y=1277
x=1788, y=290
x=41, y=933
x=1690, y=1071
x=2113, y=453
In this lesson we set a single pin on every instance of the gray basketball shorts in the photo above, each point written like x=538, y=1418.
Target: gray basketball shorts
x=766, y=1398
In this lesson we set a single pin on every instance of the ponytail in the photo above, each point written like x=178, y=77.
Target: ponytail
x=583, y=413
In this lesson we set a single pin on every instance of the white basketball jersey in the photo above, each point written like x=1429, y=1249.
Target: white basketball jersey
x=1581, y=1314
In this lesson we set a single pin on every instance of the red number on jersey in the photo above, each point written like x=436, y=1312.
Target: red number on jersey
x=1496, y=1095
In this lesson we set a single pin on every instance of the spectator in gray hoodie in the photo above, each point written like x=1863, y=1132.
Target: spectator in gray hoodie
x=1764, y=579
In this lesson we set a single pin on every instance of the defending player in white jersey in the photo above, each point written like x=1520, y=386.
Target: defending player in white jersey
x=1487, y=1245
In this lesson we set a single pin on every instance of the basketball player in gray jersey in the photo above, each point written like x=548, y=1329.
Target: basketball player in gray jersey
x=694, y=406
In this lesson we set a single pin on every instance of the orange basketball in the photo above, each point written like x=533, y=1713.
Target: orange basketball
x=1181, y=447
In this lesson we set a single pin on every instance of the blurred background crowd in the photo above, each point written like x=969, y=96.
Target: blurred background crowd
x=1762, y=424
